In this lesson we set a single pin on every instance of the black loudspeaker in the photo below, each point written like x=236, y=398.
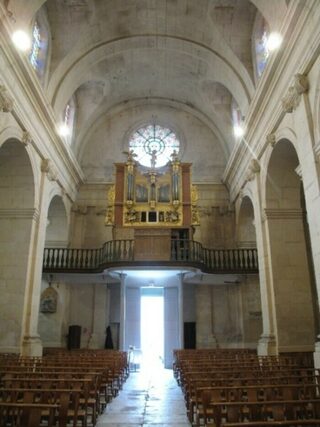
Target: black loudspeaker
x=189, y=334
x=74, y=337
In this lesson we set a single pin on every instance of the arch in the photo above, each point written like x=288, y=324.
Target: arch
x=74, y=70
x=14, y=133
x=213, y=125
x=283, y=182
x=17, y=176
x=246, y=233
x=57, y=223
x=17, y=217
x=282, y=134
x=95, y=152
x=287, y=246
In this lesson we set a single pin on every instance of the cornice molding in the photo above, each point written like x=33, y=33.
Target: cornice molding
x=79, y=209
x=282, y=214
x=24, y=213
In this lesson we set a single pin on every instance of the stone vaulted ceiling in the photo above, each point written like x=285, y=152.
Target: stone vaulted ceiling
x=190, y=54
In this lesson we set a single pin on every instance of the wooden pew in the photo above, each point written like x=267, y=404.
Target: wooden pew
x=26, y=414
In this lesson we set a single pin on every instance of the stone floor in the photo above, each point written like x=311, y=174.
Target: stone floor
x=150, y=397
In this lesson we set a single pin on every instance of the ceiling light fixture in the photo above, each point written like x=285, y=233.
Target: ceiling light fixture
x=63, y=130
x=274, y=41
x=21, y=40
x=238, y=131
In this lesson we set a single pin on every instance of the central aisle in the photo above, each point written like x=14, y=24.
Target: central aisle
x=149, y=398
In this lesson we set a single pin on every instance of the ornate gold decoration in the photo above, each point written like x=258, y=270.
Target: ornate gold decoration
x=110, y=209
x=152, y=195
x=195, y=218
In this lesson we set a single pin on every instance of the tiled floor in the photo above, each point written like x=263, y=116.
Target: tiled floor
x=149, y=398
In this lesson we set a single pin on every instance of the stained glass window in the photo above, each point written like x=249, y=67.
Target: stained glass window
x=153, y=145
x=39, y=47
x=36, y=45
x=261, y=49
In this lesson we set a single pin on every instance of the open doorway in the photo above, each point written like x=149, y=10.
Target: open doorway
x=152, y=326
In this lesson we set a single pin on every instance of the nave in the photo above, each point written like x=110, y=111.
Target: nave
x=150, y=397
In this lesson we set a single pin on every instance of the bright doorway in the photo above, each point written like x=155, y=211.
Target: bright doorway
x=152, y=326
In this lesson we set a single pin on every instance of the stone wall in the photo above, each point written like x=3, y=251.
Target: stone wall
x=229, y=315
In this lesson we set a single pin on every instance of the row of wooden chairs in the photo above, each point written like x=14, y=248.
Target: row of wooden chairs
x=64, y=388
x=222, y=389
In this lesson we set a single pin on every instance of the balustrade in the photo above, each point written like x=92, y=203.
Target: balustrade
x=186, y=252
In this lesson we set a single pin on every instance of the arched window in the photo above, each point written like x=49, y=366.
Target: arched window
x=39, y=48
x=154, y=143
x=68, y=120
x=235, y=114
x=260, y=38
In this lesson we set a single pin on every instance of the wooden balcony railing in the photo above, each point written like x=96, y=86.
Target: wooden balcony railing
x=121, y=252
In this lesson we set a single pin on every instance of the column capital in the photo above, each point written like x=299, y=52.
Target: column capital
x=6, y=102
x=253, y=169
x=271, y=139
x=26, y=138
x=48, y=168
x=292, y=98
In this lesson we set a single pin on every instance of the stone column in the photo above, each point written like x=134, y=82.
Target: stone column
x=31, y=344
x=297, y=102
x=180, y=309
x=267, y=344
x=99, y=307
x=122, y=311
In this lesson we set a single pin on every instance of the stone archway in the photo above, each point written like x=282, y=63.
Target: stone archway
x=288, y=254
x=17, y=214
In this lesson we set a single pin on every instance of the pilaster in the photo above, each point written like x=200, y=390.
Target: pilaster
x=30, y=342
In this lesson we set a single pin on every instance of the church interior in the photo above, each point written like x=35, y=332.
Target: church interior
x=164, y=149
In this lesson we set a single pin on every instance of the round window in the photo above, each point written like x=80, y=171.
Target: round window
x=154, y=145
